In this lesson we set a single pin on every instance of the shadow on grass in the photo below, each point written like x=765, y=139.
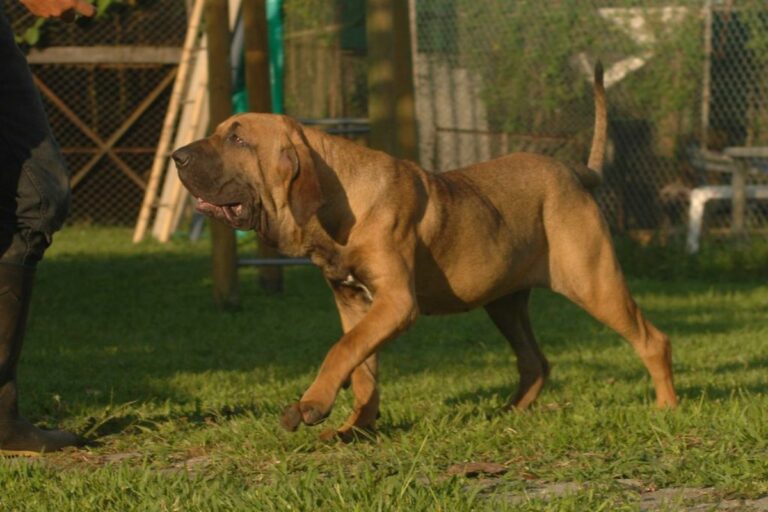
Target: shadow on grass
x=118, y=328
x=719, y=392
x=120, y=422
x=392, y=429
x=107, y=330
x=501, y=394
x=752, y=364
x=483, y=394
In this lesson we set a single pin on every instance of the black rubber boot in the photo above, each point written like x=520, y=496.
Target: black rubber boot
x=17, y=435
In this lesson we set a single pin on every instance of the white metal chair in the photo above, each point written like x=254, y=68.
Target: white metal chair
x=706, y=161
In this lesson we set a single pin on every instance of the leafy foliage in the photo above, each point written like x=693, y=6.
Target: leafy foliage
x=31, y=35
x=529, y=55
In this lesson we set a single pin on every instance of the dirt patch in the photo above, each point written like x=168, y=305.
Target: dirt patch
x=689, y=499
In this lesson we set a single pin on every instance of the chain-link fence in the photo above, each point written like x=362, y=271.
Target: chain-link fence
x=105, y=84
x=686, y=80
x=325, y=75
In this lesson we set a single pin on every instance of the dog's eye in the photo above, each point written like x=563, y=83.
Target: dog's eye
x=234, y=139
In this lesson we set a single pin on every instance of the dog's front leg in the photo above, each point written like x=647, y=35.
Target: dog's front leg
x=393, y=309
x=365, y=410
x=353, y=303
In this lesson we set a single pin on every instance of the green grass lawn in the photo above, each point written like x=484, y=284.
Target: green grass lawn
x=124, y=345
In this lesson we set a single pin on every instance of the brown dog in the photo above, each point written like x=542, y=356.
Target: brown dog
x=394, y=241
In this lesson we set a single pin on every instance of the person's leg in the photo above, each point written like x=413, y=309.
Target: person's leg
x=34, y=198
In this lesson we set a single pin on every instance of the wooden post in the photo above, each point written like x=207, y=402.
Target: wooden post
x=406, y=142
x=257, y=85
x=379, y=27
x=256, y=56
x=224, y=245
x=391, y=111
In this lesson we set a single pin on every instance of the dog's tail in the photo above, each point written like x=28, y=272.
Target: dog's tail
x=590, y=175
x=597, y=153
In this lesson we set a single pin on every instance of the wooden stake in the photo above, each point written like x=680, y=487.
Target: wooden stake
x=391, y=108
x=381, y=74
x=406, y=140
x=257, y=81
x=224, y=245
x=257, y=84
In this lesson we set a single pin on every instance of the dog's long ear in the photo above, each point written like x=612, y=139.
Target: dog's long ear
x=304, y=194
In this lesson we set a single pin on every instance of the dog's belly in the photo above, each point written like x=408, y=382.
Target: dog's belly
x=462, y=270
x=442, y=304
x=475, y=278
x=441, y=298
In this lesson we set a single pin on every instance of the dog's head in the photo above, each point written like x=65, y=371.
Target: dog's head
x=255, y=172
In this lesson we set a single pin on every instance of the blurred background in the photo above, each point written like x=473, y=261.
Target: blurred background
x=687, y=93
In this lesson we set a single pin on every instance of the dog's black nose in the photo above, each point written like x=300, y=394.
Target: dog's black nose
x=181, y=157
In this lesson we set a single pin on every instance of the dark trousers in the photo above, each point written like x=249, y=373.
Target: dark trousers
x=34, y=181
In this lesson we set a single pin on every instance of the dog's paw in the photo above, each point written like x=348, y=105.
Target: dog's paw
x=348, y=435
x=312, y=413
x=345, y=436
x=309, y=413
x=328, y=435
x=291, y=418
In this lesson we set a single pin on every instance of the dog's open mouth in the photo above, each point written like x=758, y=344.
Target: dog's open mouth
x=230, y=211
x=236, y=214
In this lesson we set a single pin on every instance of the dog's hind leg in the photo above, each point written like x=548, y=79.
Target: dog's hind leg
x=588, y=273
x=510, y=314
x=613, y=305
